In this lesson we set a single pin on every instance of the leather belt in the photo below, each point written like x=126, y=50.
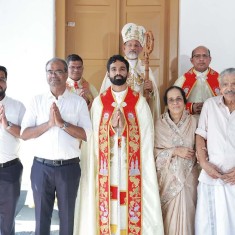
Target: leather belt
x=57, y=162
x=10, y=163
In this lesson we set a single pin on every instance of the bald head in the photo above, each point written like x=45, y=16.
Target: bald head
x=201, y=58
x=201, y=48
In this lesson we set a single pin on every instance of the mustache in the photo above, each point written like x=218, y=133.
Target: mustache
x=229, y=92
x=118, y=77
x=132, y=52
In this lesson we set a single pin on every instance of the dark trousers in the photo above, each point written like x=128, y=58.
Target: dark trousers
x=46, y=181
x=10, y=182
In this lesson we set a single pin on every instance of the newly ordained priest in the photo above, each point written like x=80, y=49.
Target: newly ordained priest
x=200, y=82
x=119, y=193
x=133, y=42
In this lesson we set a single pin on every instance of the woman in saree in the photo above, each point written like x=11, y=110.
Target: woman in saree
x=176, y=164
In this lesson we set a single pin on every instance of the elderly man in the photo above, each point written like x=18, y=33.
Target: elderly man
x=200, y=82
x=11, y=115
x=57, y=121
x=120, y=193
x=215, y=147
x=134, y=39
x=76, y=83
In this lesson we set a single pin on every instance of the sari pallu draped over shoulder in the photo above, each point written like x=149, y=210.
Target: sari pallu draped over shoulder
x=177, y=177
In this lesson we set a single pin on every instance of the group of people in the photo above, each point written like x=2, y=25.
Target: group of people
x=116, y=164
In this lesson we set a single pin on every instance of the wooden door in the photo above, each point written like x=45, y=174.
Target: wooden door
x=93, y=30
x=92, y=34
x=150, y=14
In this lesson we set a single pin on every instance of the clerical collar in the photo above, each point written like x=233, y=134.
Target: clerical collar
x=119, y=96
x=201, y=73
x=71, y=81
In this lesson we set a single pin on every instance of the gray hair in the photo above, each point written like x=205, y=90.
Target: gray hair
x=56, y=59
x=225, y=72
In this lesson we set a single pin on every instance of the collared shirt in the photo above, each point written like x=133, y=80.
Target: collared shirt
x=9, y=144
x=119, y=96
x=57, y=143
x=217, y=126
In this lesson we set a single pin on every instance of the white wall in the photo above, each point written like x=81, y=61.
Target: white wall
x=27, y=39
x=26, y=44
x=209, y=23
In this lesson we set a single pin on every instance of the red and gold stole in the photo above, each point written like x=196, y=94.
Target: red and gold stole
x=133, y=196
x=190, y=80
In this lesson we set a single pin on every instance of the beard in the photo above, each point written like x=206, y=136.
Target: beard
x=2, y=92
x=132, y=55
x=118, y=80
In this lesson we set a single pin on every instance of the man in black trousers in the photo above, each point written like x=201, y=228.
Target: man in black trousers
x=11, y=115
x=57, y=121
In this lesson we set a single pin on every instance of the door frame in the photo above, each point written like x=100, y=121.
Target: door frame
x=170, y=68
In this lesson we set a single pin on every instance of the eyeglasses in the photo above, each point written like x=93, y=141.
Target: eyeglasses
x=199, y=56
x=130, y=45
x=176, y=100
x=3, y=79
x=76, y=67
x=56, y=72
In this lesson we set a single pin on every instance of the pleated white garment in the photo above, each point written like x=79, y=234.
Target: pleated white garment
x=215, y=210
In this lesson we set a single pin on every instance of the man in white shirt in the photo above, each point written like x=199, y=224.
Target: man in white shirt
x=11, y=115
x=57, y=121
x=215, y=147
x=200, y=82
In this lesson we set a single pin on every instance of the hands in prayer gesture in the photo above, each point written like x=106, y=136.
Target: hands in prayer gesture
x=3, y=119
x=55, y=118
x=118, y=120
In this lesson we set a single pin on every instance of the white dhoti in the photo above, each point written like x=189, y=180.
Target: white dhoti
x=215, y=210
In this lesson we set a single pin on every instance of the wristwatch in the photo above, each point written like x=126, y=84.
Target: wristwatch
x=65, y=125
x=9, y=125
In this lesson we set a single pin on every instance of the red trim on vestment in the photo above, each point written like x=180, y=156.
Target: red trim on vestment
x=132, y=197
x=190, y=80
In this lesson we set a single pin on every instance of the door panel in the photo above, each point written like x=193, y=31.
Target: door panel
x=152, y=18
x=144, y=3
x=96, y=34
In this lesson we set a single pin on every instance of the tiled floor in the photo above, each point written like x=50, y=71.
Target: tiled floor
x=25, y=219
